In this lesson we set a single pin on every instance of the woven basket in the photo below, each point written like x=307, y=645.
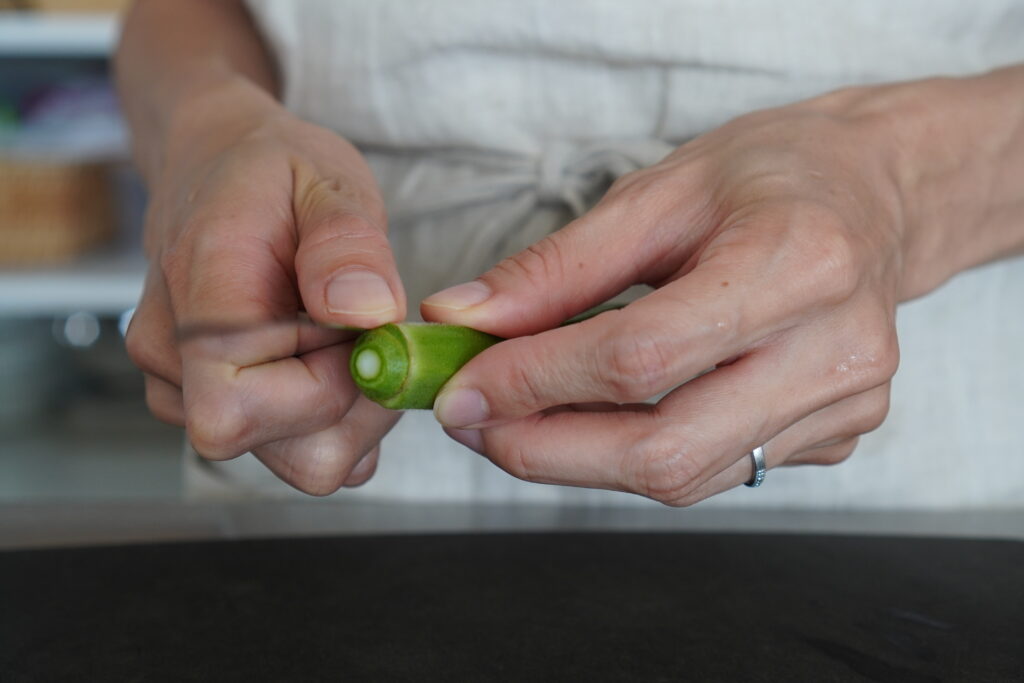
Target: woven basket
x=50, y=212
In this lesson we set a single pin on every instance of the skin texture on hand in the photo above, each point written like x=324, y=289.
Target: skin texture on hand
x=283, y=220
x=256, y=222
x=778, y=248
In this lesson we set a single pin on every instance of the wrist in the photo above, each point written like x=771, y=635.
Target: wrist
x=954, y=150
x=208, y=115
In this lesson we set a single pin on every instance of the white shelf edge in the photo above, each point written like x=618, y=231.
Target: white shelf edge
x=35, y=34
x=105, y=283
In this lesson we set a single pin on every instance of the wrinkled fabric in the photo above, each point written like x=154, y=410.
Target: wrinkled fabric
x=491, y=124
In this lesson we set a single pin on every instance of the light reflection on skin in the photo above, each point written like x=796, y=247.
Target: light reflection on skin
x=853, y=361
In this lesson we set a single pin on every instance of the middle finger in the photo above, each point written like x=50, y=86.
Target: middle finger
x=716, y=311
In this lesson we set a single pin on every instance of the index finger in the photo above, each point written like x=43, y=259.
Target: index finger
x=251, y=371
x=259, y=379
x=717, y=311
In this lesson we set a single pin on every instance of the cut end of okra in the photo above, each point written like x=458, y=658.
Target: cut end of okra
x=380, y=363
x=403, y=366
x=368, y=365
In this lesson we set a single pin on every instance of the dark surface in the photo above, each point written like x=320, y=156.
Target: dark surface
x=528, y=607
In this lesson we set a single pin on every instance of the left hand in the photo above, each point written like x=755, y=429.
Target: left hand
x=775, y=245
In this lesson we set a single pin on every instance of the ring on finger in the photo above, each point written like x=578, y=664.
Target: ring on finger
x=760, y=469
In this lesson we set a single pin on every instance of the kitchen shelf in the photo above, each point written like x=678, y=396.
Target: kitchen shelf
x=107, y=282
x=34, y=34
x=104, y=282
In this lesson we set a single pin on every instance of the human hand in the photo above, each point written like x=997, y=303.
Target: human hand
x=255, y=218
x=775, y=245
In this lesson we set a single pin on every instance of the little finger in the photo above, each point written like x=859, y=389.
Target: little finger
x=164, y=400
x=319, y=463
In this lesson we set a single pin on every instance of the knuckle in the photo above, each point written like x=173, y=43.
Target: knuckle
x=324, y=478
x=343, y=226
x=351, y=192
x=829, y=257
x=328, y=478
x=633, y=367
x=648, y=193
x=885, y=354
x=870, y=361
x=202, y=242
x=626, y=182
x=213, y=237
x=514, y=458
x=877, y=356
x=642, y=184
x=199, y=234
x=218, y=428
x=340, y=233
x=320, y=464
x=668, y=471
x=539, y=263
x=524, y=388
x=634, y=191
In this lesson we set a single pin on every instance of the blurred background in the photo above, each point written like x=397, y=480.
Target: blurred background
x=80, y=456
x=73, y=422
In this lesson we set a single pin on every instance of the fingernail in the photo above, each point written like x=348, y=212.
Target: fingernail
x=460, y=296
x=461, y=408
x=470, y=438
x=361, y=292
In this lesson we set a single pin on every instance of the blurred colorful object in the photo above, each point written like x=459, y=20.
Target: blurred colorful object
x=66, y=5
x=8, y=116
x=55, y=193
x=72, y=121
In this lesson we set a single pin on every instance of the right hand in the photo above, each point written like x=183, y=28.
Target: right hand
x=256, y=217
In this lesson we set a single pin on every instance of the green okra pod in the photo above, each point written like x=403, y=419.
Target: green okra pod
x=403, y=366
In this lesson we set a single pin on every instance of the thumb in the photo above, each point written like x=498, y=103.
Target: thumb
x=584, y=264
x=345, y=269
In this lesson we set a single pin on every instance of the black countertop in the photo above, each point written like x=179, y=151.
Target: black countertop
x=515, y=606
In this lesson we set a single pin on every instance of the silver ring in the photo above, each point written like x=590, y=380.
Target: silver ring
x=757, y=455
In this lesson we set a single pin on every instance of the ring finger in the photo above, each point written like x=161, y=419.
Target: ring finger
x=825, y=437
x=670, y=452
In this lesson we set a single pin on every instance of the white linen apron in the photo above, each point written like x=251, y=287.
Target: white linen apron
x=490, y=124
